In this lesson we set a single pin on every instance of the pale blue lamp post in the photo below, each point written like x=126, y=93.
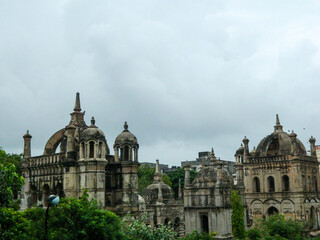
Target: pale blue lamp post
x=52, y=200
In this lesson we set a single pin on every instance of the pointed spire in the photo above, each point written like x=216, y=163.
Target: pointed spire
x=212, y=155
x=77, y=107
x=278, y=126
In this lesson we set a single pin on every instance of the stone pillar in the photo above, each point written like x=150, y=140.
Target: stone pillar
x=27, y=145
x=186, y=192
x=312, y=141
x=130, y=153
x=116, y=154
x=136, y=154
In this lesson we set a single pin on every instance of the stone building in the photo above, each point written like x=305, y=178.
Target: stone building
x=207, y=200
x=161, y=205
x=279, y=177
x=78, y=157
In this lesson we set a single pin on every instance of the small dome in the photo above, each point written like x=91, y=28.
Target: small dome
x=152, y=193
x=240, y=150
x=126, y=137
x=92, y=133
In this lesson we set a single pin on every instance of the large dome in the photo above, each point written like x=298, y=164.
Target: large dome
x=92, y=133
x=280, y=143
x=126, y=137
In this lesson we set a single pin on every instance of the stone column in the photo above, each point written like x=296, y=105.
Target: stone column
x=312, y=141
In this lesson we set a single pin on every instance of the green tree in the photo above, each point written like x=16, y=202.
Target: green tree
x=237, y=218
x=10, y=184
x=7, y=158
x=135, y=229
x=179, y=174
x=75, y=219
x=13, y=225
x=277, y=227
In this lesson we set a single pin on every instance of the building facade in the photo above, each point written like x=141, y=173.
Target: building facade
x=279, y=177
x=78, y=157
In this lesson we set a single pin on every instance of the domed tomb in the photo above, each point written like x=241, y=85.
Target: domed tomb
x=158, y=192
x=280, y=143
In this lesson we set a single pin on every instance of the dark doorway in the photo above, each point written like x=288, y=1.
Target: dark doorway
x=204, y=223
x=272, y=210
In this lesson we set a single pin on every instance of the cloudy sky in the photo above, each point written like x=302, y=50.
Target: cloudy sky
x=186, y=75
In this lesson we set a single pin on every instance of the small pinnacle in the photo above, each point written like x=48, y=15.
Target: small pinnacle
x=77, y=107
x=93, y=121
x=125, y=125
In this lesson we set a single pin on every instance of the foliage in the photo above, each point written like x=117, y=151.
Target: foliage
x=137, y=229
x=195, y=235
x=179, y=174
x=145, y=176
x=74, y=219
x=277, y=227
x=6, y=159
x=13, y=224
x=10, y=184
x=237, y=218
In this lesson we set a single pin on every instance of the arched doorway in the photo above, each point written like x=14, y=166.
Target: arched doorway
x=272, y=210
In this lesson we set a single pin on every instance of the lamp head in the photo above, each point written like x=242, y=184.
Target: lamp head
x=53, y=199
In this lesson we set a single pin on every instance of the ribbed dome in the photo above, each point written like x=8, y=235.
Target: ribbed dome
x=126, y=137
x=92, y=133
x=280, y=143
x=152, y=193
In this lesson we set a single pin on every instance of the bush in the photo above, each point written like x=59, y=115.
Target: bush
x=135, y=229
x=13, y=225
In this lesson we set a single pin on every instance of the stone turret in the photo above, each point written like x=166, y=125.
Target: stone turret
x=27, y=145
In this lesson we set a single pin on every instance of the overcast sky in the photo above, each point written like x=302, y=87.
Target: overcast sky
x=186, y=75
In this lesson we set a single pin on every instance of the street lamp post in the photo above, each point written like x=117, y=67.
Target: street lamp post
x=52, y=200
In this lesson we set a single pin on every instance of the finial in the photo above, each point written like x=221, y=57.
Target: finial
x=157, y=166
x=277, y=120
x=93, y=121
x=125, y=125
x=77, y=107
x=278, y=126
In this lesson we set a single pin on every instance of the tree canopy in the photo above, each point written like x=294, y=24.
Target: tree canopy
x=10, y=180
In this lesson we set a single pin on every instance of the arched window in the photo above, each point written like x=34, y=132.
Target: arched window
x=126, y=153
x=91, y=150
x=271, y=187
x=256, y=184
x=273, y=148
x=272, y=210
x=285, y=183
